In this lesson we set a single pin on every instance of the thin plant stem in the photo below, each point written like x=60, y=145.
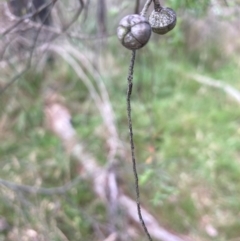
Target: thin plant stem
x=136, y=7
x=145, y=8
x=129, y=92
x=157, y=5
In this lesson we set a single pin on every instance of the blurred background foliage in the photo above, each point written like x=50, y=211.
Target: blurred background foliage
x=187, y=134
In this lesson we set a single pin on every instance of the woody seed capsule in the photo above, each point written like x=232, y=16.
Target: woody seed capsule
x=134, y=31
x=162, y=20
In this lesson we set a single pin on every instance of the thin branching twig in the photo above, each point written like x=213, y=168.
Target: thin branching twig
x=27, y=16
x=75, y=17
x=38, y=28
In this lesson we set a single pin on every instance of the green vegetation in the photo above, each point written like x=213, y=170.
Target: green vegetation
x=187, y=140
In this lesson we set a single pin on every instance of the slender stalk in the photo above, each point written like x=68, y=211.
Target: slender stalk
x=129, y=92
x=145, y=8
x=157, y=5
x=136, y=9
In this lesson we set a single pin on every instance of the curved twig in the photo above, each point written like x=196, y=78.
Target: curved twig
x=40, y=190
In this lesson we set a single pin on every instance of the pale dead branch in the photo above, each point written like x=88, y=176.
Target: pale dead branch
x=152, y=224
x=106, y=108
x=100, y=96
x=104, y=184
x=111, y=237
x=228, y=89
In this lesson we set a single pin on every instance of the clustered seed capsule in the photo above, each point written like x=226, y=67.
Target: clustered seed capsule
x=162, y=20
x=134, y=31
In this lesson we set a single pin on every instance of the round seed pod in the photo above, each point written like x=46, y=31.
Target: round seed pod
x=134, y=31
x=162, y=20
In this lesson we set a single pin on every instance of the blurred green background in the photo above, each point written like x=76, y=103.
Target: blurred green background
x=187, y=134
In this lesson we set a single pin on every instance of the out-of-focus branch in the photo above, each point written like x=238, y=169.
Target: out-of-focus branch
x=111, y=237
x=226, y=3
x=104, y=183
x=106, y=110
x=15, y=78
x=40, y=190
x=74, y=64
x=34, y=33
x=24, y=18
x=101, y=17
x=90, y=37
x=100, y=96
x=231, y=91
x=75, y=17
x=154, y=228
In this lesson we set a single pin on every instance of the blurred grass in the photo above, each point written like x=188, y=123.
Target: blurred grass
x=186, y=135
x=194, y=131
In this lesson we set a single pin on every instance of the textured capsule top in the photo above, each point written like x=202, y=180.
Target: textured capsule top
x=163, y=20
x=134, y=31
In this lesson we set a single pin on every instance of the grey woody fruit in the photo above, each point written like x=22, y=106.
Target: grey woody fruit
x=162, y=20
x=134, y=31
